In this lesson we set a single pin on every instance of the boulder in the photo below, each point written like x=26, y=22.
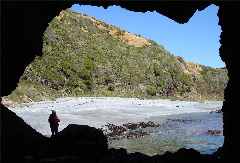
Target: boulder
x=79, y=140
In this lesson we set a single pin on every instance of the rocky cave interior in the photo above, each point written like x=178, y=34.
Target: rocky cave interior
x=23, y=24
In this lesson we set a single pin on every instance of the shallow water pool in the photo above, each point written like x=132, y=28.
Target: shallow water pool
x=178, y=131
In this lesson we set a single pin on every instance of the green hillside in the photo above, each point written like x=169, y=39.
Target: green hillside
x=83, y=56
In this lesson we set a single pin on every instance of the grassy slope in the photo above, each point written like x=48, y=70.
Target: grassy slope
x=81, y=59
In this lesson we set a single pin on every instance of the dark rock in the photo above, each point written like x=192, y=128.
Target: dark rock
x=135, y=134
x=219, y=111
x=152, y=124
x=216, y=111
x=187, y=155
x=117, y=155
x=214, y=132
x=128, y=130
x=18, y=139
x=80, y=140
x=139, y=157
x=181, y=120
x=115, y=130
x=131, y=126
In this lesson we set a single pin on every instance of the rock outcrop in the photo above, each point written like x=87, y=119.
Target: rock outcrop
x=79, y=140
x=21, y=143
x=17, y=138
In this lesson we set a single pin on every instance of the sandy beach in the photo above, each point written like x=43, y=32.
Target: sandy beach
x=97, y=111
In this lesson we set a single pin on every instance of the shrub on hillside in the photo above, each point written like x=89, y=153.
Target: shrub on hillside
x=151, y=90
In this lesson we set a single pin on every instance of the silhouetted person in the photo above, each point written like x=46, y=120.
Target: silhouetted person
x=53, y=121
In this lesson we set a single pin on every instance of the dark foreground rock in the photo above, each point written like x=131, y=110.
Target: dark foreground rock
x=18, y=139
x=79, y=140
x=21, y=143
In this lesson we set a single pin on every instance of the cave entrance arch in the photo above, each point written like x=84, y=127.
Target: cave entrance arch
x=226, y=50
x=81, y=56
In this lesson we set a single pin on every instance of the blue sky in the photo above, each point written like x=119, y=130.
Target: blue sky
x=196, y=41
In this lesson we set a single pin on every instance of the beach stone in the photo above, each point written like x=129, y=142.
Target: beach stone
x=214, y=132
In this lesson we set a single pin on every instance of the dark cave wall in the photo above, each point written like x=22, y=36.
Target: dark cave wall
x=23, y=25
x=229, y=54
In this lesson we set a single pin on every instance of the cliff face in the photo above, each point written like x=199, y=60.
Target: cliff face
x=83, y=56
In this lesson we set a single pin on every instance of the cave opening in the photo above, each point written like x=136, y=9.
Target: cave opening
x=86, y=57
x=228, y=102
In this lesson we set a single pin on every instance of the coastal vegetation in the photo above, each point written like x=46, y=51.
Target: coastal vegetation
x=83, y=56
